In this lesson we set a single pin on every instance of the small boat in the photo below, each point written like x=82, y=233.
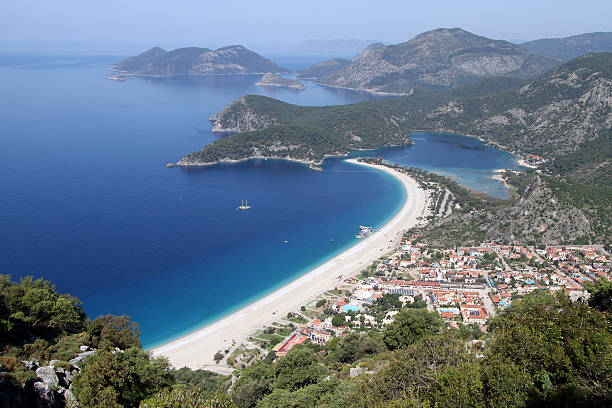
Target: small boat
x=332, y=239
x=116, y=77
x=365, y=228
x=359, y=236
x=244, y=206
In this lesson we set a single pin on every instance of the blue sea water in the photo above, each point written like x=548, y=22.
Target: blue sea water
x=87, y=203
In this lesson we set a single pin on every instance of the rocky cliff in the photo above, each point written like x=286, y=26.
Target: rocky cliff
x=437, y=59
x=234, y=59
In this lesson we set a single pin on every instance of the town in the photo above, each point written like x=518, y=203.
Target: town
x=466, y=286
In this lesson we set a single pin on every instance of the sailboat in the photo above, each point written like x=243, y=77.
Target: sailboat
x=244, y=205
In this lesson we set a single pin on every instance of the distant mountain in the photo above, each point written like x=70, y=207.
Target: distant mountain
x=440, y=58
x=343, y=48
x=567, y=48
x=324, y=68
x=234, y=59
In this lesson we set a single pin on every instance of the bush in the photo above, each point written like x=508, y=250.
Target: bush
x=120, y=378
x=115, y=331
x=409, y=325
x=296, y=370
x=339, y=320
x=187, y=397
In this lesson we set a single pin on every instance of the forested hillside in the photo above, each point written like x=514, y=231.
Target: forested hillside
x=544, y=350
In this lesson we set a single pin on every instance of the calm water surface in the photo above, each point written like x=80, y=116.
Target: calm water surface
x=87, y=202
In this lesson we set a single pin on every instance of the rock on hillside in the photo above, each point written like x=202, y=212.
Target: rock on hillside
x=234, y=59
x=437, y=59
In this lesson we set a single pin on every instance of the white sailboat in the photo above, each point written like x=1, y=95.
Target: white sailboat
x=244, y=205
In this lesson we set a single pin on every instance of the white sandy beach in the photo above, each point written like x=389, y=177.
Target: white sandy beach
x=196, y=350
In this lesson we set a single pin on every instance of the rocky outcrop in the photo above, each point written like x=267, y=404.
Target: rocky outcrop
x=48, y=376
x=436, y=59
x=45, y=397
x=234, y=59
x=50, y=389
x=276, y=80
x=82, y=356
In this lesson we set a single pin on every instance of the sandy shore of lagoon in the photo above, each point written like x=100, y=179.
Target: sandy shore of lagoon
x=196, y=350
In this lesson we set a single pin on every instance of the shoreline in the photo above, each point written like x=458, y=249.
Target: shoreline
x=370, y=91
x=196, y=350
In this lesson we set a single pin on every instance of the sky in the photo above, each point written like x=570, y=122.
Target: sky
x=128, y=26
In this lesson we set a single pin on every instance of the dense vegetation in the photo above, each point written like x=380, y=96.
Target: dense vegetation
x=38, y=326
x=544, y=350
x=303, y=133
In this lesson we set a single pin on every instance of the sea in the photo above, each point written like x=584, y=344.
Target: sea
x=87, y=202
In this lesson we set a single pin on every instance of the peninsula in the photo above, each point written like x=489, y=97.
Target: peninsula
x=197, y=349
x=276, y=80
x=234, y=59
x=518, y=116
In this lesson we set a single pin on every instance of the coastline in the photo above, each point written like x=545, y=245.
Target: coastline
x=196, y=350
x=381, y=93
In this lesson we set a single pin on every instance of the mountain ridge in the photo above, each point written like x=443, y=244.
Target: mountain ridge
x=439, y=58
x=567, y=48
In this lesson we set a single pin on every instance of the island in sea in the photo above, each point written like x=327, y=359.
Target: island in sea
x=234, y=59
x=271, y=79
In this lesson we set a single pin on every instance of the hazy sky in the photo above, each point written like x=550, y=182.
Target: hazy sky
x=266, y=25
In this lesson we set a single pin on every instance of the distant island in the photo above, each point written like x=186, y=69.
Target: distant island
x=234, y=59
x=276, y=80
